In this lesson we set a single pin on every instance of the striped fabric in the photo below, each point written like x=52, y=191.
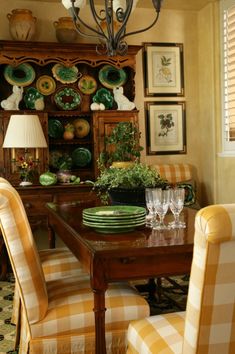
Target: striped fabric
x=174, y=173
x=209, y=325
x=62, y=319
x=56, y=263
x=22, y=252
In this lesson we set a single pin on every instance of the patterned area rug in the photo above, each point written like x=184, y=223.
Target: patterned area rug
x=7, y=330
x=173, y=297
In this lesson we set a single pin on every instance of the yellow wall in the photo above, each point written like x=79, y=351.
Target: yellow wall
x=196, y=30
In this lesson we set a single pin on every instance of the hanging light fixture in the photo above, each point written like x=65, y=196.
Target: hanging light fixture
x=110, y=22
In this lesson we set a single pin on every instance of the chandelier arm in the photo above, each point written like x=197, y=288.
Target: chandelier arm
x=109, y=21
x=96, y=17
x=77, y=18
x=141, y=30
x=121, y=32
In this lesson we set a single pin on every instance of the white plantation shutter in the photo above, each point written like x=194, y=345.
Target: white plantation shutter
x=228, y=40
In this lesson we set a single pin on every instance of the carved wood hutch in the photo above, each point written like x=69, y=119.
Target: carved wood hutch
x=42, y=57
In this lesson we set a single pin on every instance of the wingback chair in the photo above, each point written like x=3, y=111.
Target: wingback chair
x=208, y=325
x=57, y=315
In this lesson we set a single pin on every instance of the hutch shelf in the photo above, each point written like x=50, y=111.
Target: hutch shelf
x=24, y=64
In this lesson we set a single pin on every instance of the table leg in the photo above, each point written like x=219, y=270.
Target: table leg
x=99, y=312
x=51, y=236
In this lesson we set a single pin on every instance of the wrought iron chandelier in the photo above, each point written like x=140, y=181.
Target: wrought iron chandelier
x=110, y=22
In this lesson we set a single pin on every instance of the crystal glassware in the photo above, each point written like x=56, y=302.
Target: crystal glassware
x=151, y=216
x=176, y=206
x=161, y=204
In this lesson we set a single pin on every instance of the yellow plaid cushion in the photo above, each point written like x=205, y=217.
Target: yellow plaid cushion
x=56, y=263
x=59, y=262
x=174, y=173
x=157, y=334
x=68, y=326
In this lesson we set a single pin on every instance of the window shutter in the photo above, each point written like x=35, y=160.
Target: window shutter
x=229, y=72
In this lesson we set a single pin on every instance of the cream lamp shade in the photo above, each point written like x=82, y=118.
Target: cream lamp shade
x=24, y=131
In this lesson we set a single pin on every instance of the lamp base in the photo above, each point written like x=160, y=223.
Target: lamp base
x=25, y=183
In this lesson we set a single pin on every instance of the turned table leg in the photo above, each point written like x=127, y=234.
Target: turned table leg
x=99, y=312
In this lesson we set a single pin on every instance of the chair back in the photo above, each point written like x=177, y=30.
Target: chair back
x=174, y=173
x=23, y=253
x=210, y=314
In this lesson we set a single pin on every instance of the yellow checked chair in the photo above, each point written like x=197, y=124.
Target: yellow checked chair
x=180, y=174
x=56, y=263
x=208, y=325
x=57, y=315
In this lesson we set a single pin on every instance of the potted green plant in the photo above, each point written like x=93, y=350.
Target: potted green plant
x=122, y=145
x=127, y=185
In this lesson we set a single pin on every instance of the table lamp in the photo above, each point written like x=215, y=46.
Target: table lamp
x=24, y=131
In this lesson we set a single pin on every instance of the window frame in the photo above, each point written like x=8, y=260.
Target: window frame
x=228, y=147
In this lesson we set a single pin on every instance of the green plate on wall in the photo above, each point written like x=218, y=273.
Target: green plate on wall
x=21, y=75
x=111, y=77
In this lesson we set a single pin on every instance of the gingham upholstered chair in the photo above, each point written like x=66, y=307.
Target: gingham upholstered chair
x=180, y=174
x=208, y=325
x=57, y=315
x=56, y=263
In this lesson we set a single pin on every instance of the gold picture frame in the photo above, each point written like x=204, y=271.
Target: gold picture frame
x=163, y=69
x=165, y=128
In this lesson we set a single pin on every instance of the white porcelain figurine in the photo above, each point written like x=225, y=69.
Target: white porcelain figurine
x=13, y=101
x=122, y=101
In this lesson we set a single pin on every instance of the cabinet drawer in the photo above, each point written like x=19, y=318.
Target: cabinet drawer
x=35, y=205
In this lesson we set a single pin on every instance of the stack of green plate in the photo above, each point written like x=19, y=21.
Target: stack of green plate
x=114, y=219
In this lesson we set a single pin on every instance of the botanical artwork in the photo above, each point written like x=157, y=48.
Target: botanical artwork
x=165, y=123
x=163, y=69
x=166, y=128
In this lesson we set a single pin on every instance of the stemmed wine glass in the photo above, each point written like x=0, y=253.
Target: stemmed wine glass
x=161, y=199
x=151, y=216
x=176, y=206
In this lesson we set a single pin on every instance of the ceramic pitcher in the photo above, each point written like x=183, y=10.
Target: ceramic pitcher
x=65, y=30
x=22, y=24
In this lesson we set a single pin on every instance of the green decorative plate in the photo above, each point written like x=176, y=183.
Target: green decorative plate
x=67, y=98
x=81, y=157
x=87, y=84
x=31, y=95
x=111, y=77
x=82, y=127
x=110, y=229
x=46, y=85
x=55, y=129
x=104, y=96
x=115, y=211
x=116, y=222
x=65, y=74
x=21, y=75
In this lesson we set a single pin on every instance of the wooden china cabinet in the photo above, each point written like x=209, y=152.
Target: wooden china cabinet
x=26, y=64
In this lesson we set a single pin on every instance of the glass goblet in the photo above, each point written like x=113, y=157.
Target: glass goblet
x=151, y=216
x=161, y=205
x=176, y=206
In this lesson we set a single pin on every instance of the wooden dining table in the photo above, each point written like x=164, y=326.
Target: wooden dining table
x=113, y=257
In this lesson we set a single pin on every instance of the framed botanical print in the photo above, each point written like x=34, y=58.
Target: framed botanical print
x=165, y=128
x=163, y=69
